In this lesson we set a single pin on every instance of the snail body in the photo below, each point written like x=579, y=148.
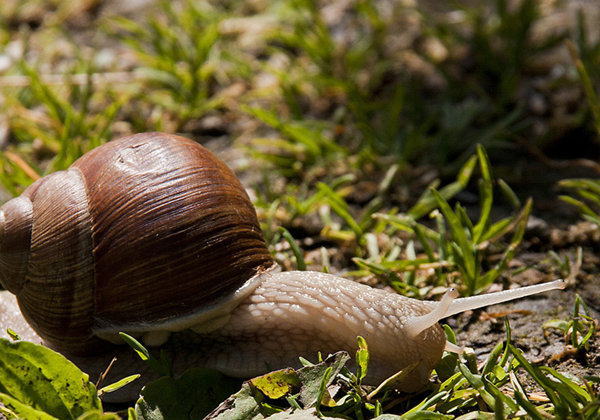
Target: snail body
x=151, y=235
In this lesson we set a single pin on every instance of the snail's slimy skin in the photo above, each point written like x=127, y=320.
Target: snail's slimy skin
x=11, y=317
x=301, y=313
x=292, y=314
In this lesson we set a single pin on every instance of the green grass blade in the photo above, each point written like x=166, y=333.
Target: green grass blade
x=300, y=263
x=570, y=386
x=458, y=234
x=546, y=384
x=476, y=382
x=526, y=405
x=508, y=192
x=340, y=207
x=492, y=359
x=587, y=83
x=485, y=194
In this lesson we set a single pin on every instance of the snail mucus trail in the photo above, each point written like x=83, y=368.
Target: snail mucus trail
x=152, y=234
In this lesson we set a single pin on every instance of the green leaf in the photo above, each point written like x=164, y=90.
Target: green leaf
x=45, y=380
x=195, y=394
x=244, y=404
x=485, y=193
x=276, y=384
x=300, y=264
x=492, y=361
x=340, y=207
x=570, y=386
x=526, y=405
x=509, y=194
x=312, y=377
x=13, y=335
x=118, y=385
x=502, y=401
x=99, y=415
x=420, y=415
x=537, y=375
x=397, y=378
x=323, y=397
x=584, y=208
x=458, y=234
x=447, y=364
x=362, y=359
x=161, y=368
x=587, y=83
x=476, y=382
x=13, y=408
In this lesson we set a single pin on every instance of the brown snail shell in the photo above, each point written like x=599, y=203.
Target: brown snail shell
x=150, y=212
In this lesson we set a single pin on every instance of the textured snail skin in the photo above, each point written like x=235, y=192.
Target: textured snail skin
x=291, y=314
x=300, y=313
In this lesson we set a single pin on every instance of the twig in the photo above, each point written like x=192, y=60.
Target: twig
x=18, y=160
x=103, y=375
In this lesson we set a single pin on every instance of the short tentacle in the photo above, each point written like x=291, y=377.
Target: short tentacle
x=416, y=325
x=453, y=348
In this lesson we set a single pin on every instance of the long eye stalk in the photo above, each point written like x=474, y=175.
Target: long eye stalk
x=476, y=302
x=449, y=305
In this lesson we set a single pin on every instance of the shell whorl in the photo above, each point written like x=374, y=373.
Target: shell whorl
x=138, y=232
x=55, y=290
x=15, y=237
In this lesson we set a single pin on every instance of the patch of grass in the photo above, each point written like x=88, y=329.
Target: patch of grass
x=567, y=266
x=579, y=329
x=500, y=42
x=459, y=244
x=56, y=122
x=304, y=146
x=352, y=79
x=496, y=389
x=327, y=387
x=382, y=105
x=181, y=55
x=588, y=191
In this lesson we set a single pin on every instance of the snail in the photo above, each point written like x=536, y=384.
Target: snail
x=154, y=236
